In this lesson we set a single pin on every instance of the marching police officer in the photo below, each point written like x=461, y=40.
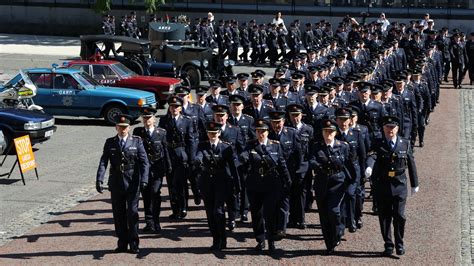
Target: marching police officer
x=331, y=163
x=219, y=178
x=182, y=146
x=128, y=174
x=299, y=184
x=292, y=153
x=391, y=157
x=245, y=123
x=154, y=141
x=357, y=155
x=268, y=175
x=232, y=135
x=257, y=109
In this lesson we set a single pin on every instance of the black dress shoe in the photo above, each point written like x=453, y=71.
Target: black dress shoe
x=134, y=250
x=422, y=144
x=260, y=246
x=183, y=214
x=400, y=251
x=197, y=199
x=244, y=218
x=120, y=250
x=359, y=224
x=388, y=252
x=352, y=229
x=231, y=225
x=271, y=246
x=148, y=228
x=329, y=251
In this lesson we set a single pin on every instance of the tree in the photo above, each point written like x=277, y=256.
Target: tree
x=151, y=5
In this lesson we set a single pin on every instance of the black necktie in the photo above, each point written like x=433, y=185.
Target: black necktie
x=213, y=146
x=122, y=144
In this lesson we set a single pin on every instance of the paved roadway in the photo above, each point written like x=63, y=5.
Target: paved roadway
x=40, y=222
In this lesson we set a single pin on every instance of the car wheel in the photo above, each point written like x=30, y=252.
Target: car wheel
x=112, y=111
x=8, y=140
x=193, y=74
x=135, y=66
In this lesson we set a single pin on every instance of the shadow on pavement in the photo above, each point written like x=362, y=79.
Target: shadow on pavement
x=67, y=223
x=96, y=254
x=34, y=238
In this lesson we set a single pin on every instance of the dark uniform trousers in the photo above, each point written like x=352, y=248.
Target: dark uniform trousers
x=160, y=165
x=218, y=179
x=129, y=167
x=268, y=176
x=330, y=187
x=389, y=166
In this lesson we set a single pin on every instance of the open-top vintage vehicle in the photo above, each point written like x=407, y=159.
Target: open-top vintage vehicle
x=168, y=44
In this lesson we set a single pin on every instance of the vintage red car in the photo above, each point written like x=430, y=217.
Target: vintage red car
x=114, y=73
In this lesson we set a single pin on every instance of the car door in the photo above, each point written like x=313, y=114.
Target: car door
x=104, y=74
x=67, y=97
x=44, y=87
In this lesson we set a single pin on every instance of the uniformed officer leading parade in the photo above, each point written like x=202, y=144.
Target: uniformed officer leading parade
x=128, y=174
x=389, y=161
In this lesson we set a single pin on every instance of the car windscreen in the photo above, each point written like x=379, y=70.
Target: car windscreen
x=86, y=80
x=122, y=70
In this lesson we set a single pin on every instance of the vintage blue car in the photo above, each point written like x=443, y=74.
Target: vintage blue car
x=71, y=92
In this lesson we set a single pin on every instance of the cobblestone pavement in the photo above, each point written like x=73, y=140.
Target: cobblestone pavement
x=84, y=234
x=466, y=100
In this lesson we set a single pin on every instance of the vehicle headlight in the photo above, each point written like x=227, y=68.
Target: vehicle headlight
x=205, y=63
x=226, y=63
x=141, y=102
x=32, y=125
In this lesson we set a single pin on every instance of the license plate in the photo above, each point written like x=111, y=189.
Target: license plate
x=48, y=133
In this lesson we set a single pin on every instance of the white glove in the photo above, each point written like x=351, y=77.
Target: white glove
x=368, y=172
x=414, y=190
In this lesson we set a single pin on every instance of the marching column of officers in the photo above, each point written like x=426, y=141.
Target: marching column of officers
x=324, y=125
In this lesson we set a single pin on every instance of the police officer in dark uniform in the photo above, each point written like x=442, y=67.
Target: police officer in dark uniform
x=458, y=56
x=299, y=182
x=245, y=123
x=291, y=147
x=215, y=97
x=219, y=179
x=268, y=175
x=229, y=134
x=128, y=174
x=182, y=146
x=357, y=155
x=257, y=109
x=410, y=113
x=245, y=42
x=154, y=141
x=331, y=162
x=201, y=92
x=391, y=157
x=370, y=110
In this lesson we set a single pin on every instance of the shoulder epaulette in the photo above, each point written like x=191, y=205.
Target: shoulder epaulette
x=136, y=137
x=246, y=115
x=274, y=141
x=225, y=142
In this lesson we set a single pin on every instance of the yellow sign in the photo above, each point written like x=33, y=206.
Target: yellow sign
x=24, y=151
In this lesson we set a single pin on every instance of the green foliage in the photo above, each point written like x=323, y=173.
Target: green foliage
x=151, y=5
